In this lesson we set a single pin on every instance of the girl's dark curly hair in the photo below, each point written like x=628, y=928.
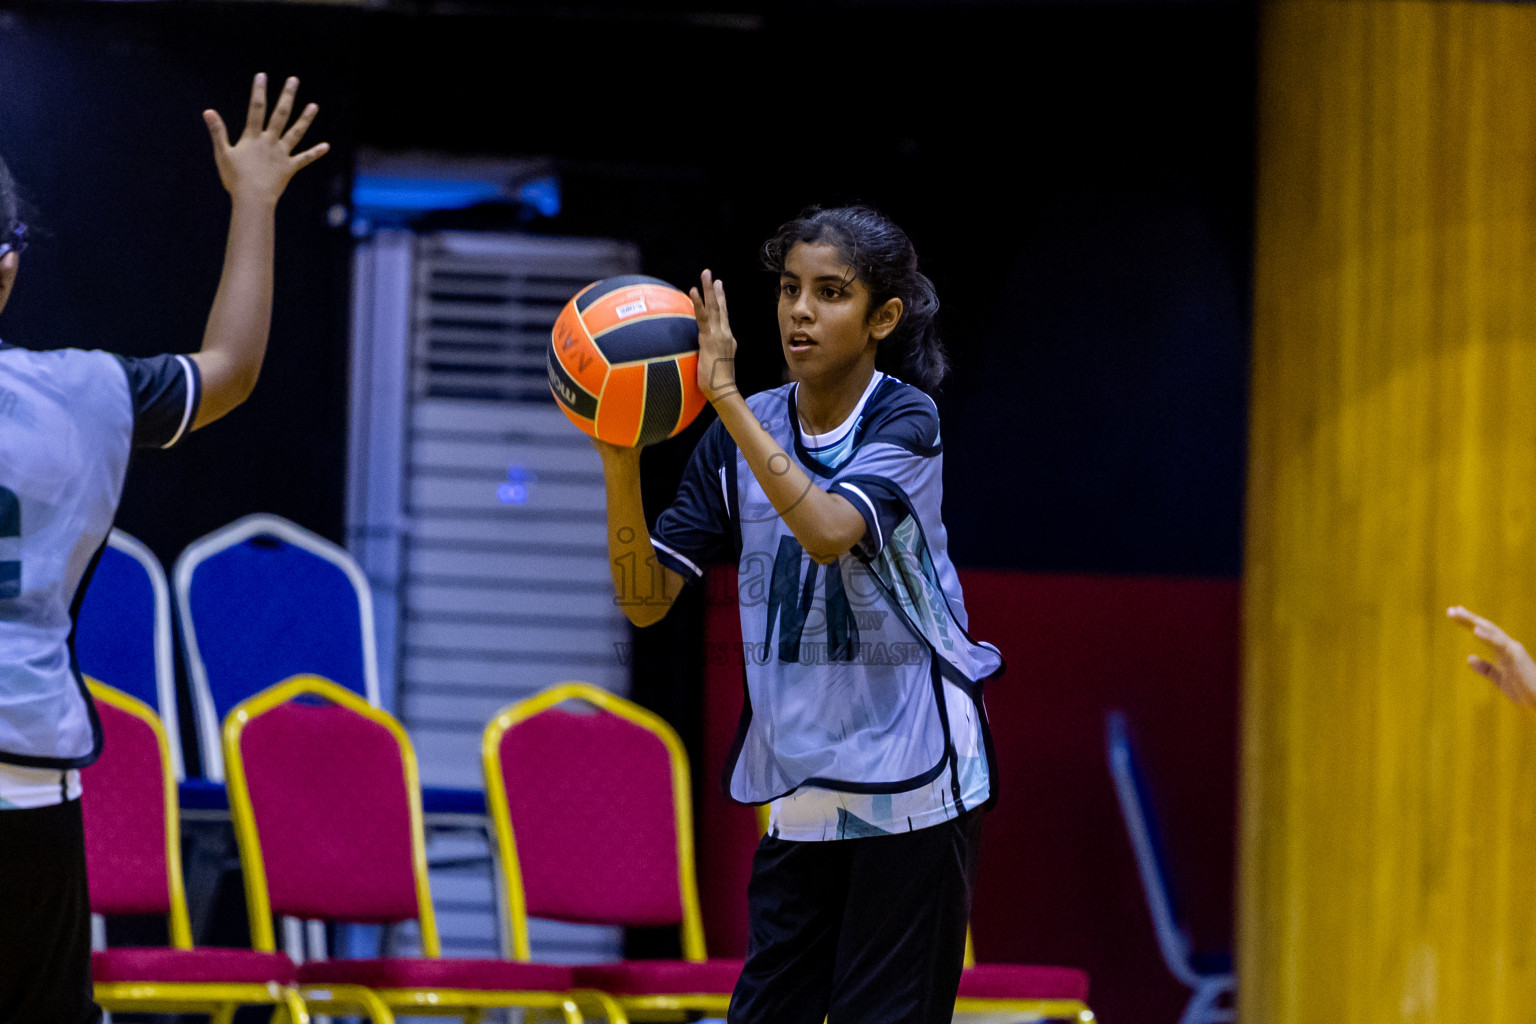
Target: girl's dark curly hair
x=882, y=256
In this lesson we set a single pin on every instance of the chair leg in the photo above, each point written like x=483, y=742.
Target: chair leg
x=358, y=997
x=1204, y=1005
x=292, y=1007
x=612, y=1012
x=290, y=1010
x=1194, y=1010
x=566, y=1013
x=223, y=1015
x=377, y=1010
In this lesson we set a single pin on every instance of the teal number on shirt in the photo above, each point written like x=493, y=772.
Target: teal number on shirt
x=789, y=605
x=10, y=526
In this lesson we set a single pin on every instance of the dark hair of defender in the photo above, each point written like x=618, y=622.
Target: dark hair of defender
x=10, y=203
x=882, y=256
x=15, y=213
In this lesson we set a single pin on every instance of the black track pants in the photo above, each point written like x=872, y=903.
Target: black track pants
x=45, y=918
x=858, y=930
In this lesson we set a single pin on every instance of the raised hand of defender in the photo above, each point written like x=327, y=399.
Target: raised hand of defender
x=717, y=345
x=1511, y=669
x=259, y=164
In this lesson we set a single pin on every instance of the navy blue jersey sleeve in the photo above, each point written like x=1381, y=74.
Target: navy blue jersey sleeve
x=895, y=470
x=696, y=528
x=165, y=391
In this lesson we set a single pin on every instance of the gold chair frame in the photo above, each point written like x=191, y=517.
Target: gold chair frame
x=692, y=925
x=379, y=1005
x=218, y=999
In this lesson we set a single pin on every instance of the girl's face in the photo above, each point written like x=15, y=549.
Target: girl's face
x=825, y=323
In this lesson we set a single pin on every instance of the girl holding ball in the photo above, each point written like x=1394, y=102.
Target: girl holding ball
x=863, y=727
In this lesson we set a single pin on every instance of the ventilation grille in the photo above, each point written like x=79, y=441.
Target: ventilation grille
x=484, y=312
x=503, y=587
x=505, y=581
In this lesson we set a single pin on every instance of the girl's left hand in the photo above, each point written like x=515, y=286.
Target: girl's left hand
x=717, y=346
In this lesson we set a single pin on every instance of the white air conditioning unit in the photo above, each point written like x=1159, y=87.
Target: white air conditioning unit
x=477, y=510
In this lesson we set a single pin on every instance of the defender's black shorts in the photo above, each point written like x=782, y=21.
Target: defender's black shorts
x=45, y=918
x=858, y=930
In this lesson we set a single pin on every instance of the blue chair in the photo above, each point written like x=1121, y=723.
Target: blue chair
x=263, y=599
x=1209, y=975
x=123, y=631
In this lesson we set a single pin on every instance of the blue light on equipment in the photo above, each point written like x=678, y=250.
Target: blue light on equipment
x=515, y=490
x=381, y=198
x=543, y=194
x=377, y=192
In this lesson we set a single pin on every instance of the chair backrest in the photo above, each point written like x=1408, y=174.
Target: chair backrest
x=128, y=802
x=262, y=600
x=326, y=801
x=1141, y=824
x=123, y=631
x=593, y=812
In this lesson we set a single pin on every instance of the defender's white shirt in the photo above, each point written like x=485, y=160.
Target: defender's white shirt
x=68, y=421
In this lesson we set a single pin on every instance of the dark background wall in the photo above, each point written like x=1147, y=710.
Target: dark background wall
x=100, y=122
x=1076, y=175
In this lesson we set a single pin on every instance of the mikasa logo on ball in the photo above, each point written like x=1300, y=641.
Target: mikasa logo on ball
x=630, y=308
x=562, y=389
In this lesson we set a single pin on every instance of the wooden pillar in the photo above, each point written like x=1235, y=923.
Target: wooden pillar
x=1388, y=846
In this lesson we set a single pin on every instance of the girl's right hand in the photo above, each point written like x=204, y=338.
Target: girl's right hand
x=260, y=163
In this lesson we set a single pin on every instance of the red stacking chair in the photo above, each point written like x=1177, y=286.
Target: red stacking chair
x=1023, y=991
x=324, y=792
x=133, y=860
x=594, y=824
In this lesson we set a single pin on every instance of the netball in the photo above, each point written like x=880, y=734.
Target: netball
x=623, y=356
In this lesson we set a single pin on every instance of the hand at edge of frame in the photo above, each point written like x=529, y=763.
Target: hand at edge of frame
x=1512, y=669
